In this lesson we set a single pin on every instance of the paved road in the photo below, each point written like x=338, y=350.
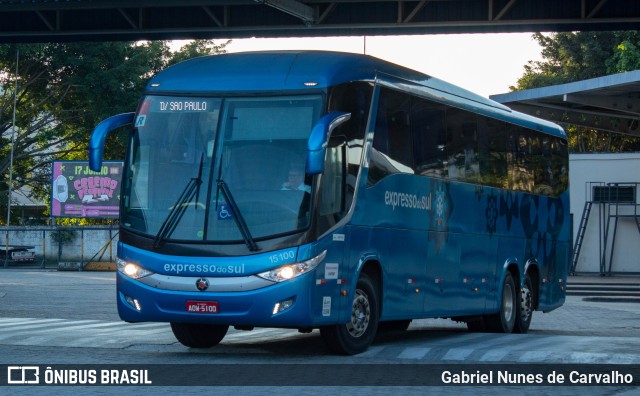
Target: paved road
x=426, y=341
x=52, y=317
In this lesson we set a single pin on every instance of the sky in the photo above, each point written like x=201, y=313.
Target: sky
x=486, y=64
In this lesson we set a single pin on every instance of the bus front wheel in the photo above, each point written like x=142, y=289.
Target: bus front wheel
x=195, y=335
x=504, y=321
x=358, y=333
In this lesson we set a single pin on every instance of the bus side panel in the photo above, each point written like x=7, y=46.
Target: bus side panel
x=443, y=274
x=458, y=274
x=556, y=251
x=509, y=251
x=327, y=305
x=544, y=223
x=423, y=275
x=533, y=229
x=553, y=283
x=402, y=255
x=477, y=254
x=460, y=251
x=427, y=248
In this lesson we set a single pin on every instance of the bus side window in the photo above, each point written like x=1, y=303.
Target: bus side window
x=462, y=147
x=354, y=98
x=492, y=149
x=392, y=150
x=332, y=195
x=344, y=152
x=429, y=138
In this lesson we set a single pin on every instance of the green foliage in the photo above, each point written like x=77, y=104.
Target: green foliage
x=63, y=91
x=626, y=55
x=63, y=237
x=569, y=57
x=576, y=56
x=197, y=48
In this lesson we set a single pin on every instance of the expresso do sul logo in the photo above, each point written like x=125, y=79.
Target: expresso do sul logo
x=405, y=200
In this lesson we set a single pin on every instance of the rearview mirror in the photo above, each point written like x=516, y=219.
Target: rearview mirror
x=320, y=134
x=99, y=135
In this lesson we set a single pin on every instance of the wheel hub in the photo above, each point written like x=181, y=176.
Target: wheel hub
x=360, y=315
x=526, y=303
x=507, y=301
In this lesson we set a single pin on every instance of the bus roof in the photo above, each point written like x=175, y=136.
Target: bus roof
x=307, y=70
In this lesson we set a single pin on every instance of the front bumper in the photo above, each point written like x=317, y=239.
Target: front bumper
x=235, y=308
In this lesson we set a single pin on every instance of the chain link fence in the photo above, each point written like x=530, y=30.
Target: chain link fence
x=64, y=248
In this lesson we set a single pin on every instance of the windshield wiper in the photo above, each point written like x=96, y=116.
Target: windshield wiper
x=237, y=216
x=191, y=190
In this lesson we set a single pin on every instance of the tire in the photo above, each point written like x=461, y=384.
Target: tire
x=527, y=298
x=356, y=335
x=504, y=321
x=195, y=335
x=394, y=325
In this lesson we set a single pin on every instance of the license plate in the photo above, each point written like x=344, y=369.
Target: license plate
x=204, y=307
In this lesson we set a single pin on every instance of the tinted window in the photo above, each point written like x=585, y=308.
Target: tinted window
x=344, y=152
x=392, y=143
x=428, y=127
x=416, y=135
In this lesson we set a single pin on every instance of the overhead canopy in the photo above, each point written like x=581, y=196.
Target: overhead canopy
x=67, y=20
x=610, y=103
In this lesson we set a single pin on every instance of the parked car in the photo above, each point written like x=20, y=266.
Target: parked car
x=17, y=253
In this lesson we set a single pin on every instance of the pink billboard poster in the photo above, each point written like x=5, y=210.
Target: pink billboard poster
x=77, y=191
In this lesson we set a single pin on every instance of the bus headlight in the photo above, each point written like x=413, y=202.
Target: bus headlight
x=131, y=270
x=294, y=270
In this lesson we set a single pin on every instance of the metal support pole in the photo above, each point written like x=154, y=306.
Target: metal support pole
x=110, y=243
x=13, y=135
x=81, y=249
x=44, y=248
x=6, y=252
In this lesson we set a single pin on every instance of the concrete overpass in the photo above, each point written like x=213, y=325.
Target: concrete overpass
x=81, y=20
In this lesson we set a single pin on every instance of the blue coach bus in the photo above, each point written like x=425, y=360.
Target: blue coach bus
x=334, y=191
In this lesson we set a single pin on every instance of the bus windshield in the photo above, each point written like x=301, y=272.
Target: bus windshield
x=184, y=149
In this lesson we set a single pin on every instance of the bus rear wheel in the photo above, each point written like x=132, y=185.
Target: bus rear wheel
x=504, y=321
x=358, y=333
x=196, y=335
x=527, y=306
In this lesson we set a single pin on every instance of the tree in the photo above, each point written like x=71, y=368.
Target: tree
x=576, y=56
x=63, y=91
x=197, y=48
x=626, y=55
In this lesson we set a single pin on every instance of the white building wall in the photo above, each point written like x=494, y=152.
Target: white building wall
x=606, y=168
